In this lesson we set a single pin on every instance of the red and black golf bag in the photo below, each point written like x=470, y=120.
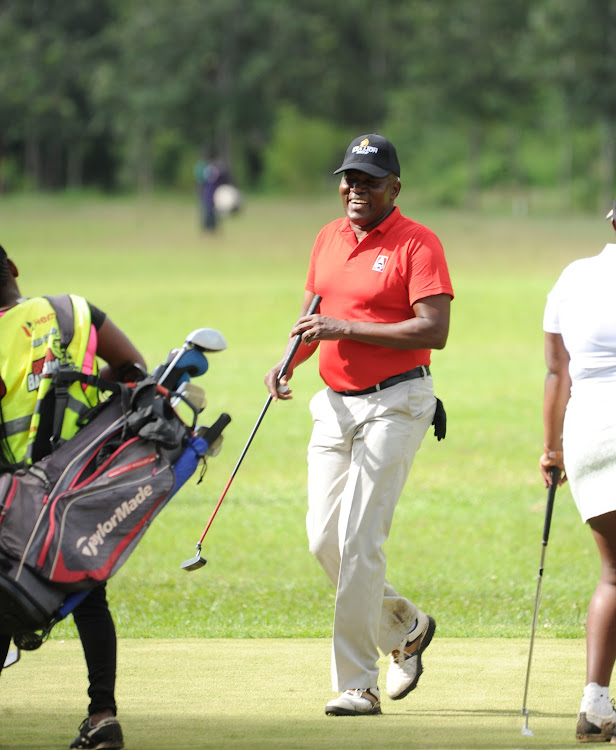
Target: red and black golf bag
x=71, y=519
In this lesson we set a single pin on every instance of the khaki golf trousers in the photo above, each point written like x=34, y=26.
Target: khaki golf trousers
x=359, y=457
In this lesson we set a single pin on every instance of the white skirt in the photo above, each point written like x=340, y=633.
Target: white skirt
x=589, y=446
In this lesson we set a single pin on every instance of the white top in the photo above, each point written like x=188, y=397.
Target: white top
x=582, y=308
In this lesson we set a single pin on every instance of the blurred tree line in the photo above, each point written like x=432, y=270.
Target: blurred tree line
x=478, y=95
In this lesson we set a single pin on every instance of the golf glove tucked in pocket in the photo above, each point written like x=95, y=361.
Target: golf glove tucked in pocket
x=440, y=421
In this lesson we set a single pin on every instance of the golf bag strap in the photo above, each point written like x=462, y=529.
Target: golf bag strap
x=63, y=378
x=68, y=377
x=63, y=308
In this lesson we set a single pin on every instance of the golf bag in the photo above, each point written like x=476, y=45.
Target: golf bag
x=70, y=520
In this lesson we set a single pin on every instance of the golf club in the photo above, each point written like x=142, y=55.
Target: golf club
x=191, y=393
x=196, y=562
x=190, y=365
x=203, y=340
x=193, y=397
x=555, y=473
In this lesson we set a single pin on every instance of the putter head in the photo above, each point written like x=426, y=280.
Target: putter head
x=194, y=563
x=206, y=340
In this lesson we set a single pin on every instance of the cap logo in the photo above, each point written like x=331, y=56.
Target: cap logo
x=365, y=148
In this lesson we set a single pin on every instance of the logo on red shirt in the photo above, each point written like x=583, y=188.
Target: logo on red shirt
x=380, y=263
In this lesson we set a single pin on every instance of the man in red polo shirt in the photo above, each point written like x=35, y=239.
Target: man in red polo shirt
x=386, y=296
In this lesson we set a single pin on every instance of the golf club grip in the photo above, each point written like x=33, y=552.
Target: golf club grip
x=213, y=433
x=316, y=300
x=555, y=473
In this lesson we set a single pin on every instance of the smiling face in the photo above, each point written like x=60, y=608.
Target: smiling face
x=367, y=200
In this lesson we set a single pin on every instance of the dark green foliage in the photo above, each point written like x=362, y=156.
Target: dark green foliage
x=480, y=95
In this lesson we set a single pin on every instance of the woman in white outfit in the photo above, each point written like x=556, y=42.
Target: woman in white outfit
x=579, y=416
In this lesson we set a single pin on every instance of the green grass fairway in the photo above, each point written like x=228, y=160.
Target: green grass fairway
x=477, y=495
x=265, y=694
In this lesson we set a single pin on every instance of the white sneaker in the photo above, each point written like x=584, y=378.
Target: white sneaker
x=405, y=668
x=592, y=727
x=354, y=703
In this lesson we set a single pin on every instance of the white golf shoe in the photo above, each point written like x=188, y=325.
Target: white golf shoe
x=406, y=668
x=355, y=703
x=597, y=717
x=593, y=727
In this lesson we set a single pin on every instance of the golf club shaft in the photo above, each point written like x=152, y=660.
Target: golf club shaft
x=297, y=341
x=285, y=365
x=555, y=473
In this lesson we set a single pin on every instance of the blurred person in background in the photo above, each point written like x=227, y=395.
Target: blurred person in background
x=579, y=416
x=210, y=174
x=386, y=297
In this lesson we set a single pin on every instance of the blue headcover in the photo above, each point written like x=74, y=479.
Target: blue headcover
x=186, y=464
x=191, y=364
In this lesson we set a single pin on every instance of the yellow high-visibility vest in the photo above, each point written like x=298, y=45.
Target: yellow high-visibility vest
x=30, y=352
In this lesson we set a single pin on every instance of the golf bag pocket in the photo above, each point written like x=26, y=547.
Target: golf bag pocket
x=22, y=497
x=93, y=526
x=26, y=602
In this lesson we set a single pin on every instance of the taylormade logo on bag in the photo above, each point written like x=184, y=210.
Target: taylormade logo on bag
x=89, y=545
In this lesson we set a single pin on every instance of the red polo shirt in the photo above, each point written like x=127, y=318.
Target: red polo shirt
x=379, y=280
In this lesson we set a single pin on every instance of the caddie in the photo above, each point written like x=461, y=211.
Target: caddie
x=29, y=351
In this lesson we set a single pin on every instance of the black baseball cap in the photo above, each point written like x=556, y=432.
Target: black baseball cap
x=373, y=154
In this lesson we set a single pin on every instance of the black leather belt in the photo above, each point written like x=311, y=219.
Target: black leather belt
x=418, y=372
